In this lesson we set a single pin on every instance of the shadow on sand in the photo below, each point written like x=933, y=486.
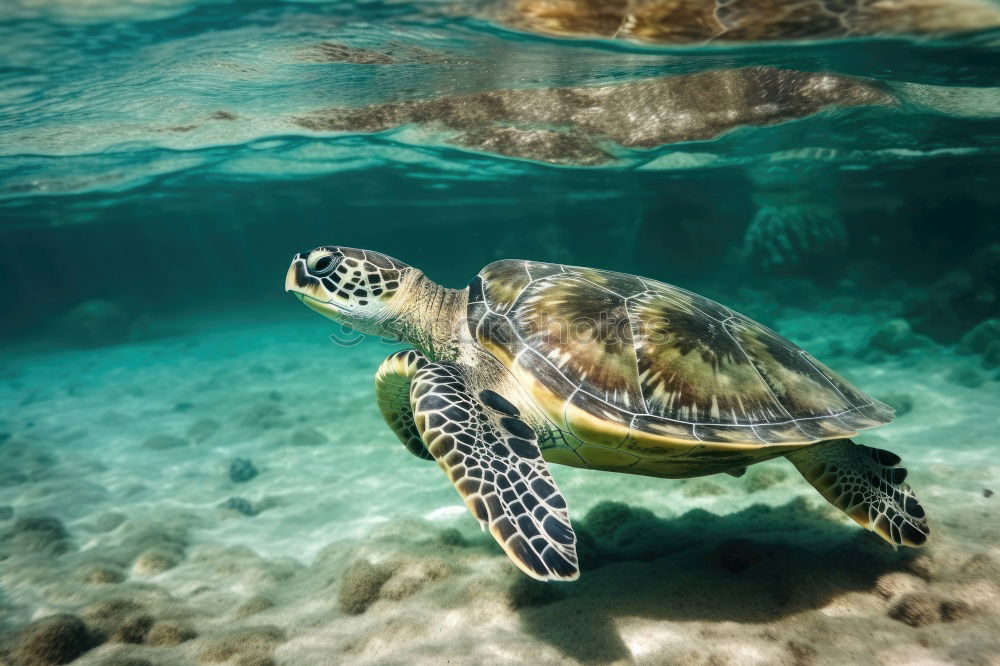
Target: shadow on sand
x=759, y=565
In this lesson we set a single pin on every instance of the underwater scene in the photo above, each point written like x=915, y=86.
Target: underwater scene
x=499, y=332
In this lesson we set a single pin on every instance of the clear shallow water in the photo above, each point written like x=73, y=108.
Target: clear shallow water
x=156, y=176
x=209, y=92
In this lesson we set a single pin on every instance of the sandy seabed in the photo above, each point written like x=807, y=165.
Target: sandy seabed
x=228, y=493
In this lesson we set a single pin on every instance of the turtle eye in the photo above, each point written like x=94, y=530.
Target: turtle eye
x=324, y=265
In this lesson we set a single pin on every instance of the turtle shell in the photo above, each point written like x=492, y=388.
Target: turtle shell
x=639, y=366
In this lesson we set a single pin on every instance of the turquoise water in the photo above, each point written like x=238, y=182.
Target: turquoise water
x=161, y=163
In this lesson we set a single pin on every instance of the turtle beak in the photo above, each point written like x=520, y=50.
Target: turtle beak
x=302, y=285
x=292, y=278
x=308, y=289
x=299, y=282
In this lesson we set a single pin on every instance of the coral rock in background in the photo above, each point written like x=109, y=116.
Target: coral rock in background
x=798, y=226
x=95, y=323
x=896, y=336
x=784, y=235
x=960, y=300
x=984, y=339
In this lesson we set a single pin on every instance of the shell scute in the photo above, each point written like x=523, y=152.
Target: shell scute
x=502, y=283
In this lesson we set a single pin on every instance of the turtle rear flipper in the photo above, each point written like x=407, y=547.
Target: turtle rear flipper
x=492, y=457
x=866, y=484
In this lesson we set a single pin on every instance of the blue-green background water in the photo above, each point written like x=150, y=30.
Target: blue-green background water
x=154, y=184
x=113, y=164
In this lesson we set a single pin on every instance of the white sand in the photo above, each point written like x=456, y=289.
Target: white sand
x=354, y=555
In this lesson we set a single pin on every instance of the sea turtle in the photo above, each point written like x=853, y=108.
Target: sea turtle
x=535, y=363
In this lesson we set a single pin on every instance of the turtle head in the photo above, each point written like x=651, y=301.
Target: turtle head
x=354, y=287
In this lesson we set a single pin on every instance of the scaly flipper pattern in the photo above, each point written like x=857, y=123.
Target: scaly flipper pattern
x=492, y=457
x=392, y=391
x=866, y=484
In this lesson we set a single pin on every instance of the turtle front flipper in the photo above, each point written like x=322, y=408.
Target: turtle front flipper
x=492, y=456
x=866, y=484
x=392, y=391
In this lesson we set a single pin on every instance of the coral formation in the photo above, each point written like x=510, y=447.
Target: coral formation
x=797, y=226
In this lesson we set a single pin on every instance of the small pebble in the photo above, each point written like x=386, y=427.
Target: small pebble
x=954, y=610
x=987, y=492
x=239, y=505
x=241, y=470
